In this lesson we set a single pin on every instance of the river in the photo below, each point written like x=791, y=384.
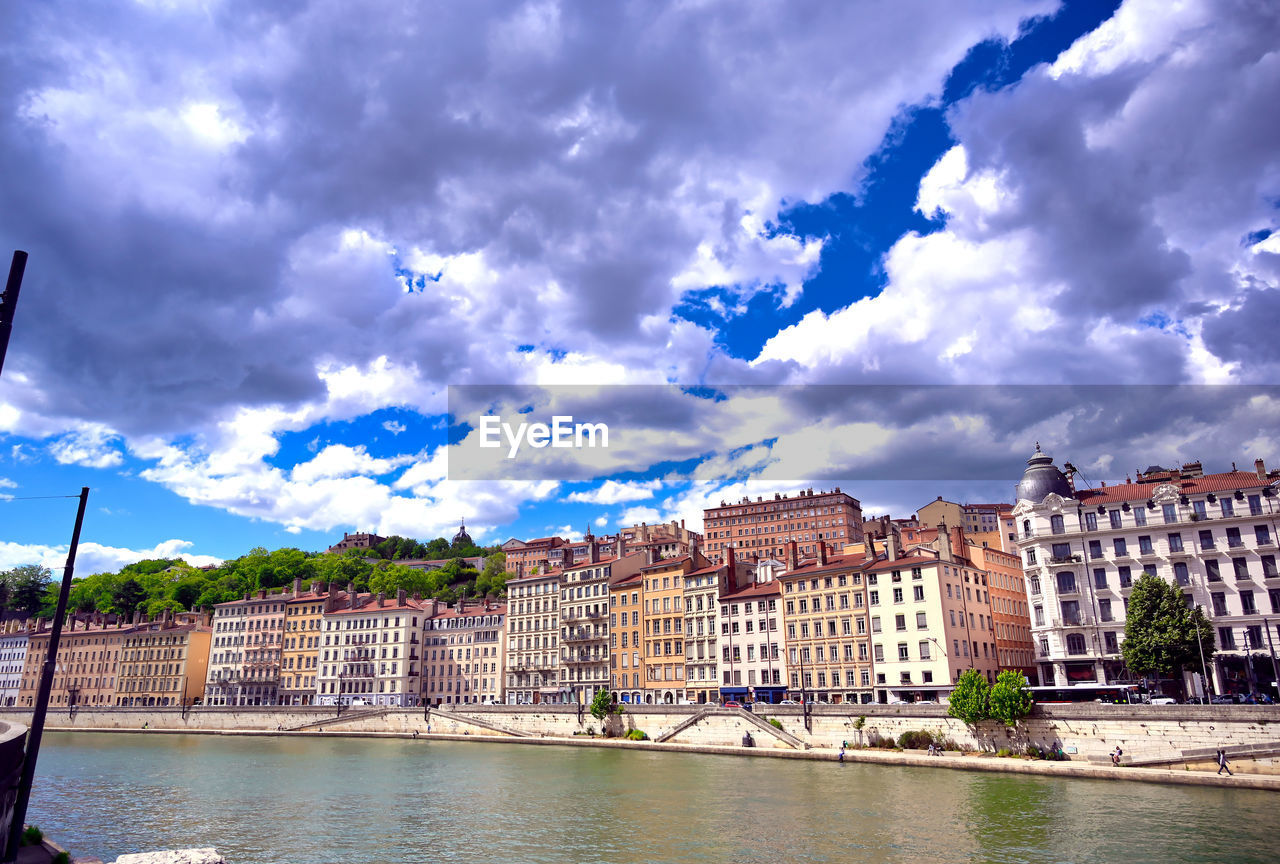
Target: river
x=297, y=800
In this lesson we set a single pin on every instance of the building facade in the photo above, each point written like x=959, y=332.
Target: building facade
x=300, y=652
x=371, y=651
x=165, y=662
x=1212, y=535
x=533, y=640
x=761, y=528
x=466, y=645
x=584, y=620
x=86, y=666
x=13, y=655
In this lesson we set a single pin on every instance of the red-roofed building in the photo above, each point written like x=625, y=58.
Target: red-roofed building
x=524, y=557
x=1212, y=535
x=533, y=639
x=465, y=653
x=584, y=619
x=761, y=528
x=371, y=654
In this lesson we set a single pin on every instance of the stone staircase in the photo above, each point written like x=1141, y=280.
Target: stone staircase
x=347, y=716
x=738, y=713
x=473, y=720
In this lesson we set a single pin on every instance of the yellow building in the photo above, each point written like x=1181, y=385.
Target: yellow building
x=303, y=620
x=86, y=665
x=164, y=662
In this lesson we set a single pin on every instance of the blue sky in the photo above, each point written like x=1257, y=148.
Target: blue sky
x=255, y=274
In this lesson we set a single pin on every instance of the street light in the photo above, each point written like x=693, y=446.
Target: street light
x=1204, y=669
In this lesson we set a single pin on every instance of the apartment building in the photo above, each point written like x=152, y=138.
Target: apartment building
x=533, y=640
x=663, y=618
x=1212, y=535
x=466, y=645
x=85, y=667
x=371, y=651
x=626, y=650
x=584, y=619
x=224, y=686
x=763, y=527
x=930, y=620
x=14, y=639
x=702, y=588
x=300, y=653
x=752, y=656
x=164, y=662
x=828, y=637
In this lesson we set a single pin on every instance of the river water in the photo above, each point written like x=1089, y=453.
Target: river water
x=299, y=800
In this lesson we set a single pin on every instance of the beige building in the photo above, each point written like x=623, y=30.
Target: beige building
x=244, y=659
x=826, y=607
x=300, y=656
x=533, y=640
x=164, y=662
x=86, y=667
x=930, y=621
x=371, y=652
x=584, y=620
x=465, y=652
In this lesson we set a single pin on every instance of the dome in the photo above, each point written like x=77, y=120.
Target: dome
x=462, y=538
x=1041, y=478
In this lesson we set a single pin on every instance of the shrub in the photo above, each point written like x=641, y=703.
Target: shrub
x=873, y=739
x=636, y=735
x=775, y=723
x=32, y=836
x=62, y=858
x=1004, y=751
x=1033, y=751
x=915, y=740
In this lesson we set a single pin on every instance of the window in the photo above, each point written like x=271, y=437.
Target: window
x=1034, y=584
x=1104, y=610
x=1075, y=644
x=1274, y=594
x=1255, y=505
x=1233, y=538
x=1031, y=556
x=1206, y=539
x=1061, y=552
x=1099, y=578
x=1212, y=572
x=1144, y=545
x=1175, y=542
x=1170, y=513
x=1039, y=616
x=873, y=598
x=1055, y=524
x=1091, y=521
x=1269, y=567
x=921, y=623
x=875, y=625
x=878, y=653
x=1149, y=569
x=900, y=622
x=1262, y=535
x=924, y=651
x=917, y=592
x=1180, y=574
x=1122, y=550
x=1115, y=518
x=1071, y=613
x=1226, y=638
x=1109, y=640
x=1095, y=548
x=1246, y=603
x=897, y=595
x=1066, y=583
x=1219, y=602
x=1139, y=516
x=1241, y=568
x=1228, y=506
x=903, y=652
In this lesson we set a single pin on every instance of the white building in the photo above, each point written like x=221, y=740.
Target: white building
x=533, y=639
x=13, y=654
x=371, y=651
x=1213, y=535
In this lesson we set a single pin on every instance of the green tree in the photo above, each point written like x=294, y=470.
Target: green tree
x=30, y=584
x=1010, y=700
x=128, y=596
x=970, y=701
x=602, y=705
x=1162, y=635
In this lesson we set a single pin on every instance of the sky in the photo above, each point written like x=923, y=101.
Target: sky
x=282, y=256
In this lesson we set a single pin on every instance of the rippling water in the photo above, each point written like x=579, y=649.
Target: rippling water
x=320, y=800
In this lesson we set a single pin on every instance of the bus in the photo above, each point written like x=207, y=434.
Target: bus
x=1114, y=694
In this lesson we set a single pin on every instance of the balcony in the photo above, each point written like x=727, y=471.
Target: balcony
x=1064, y=559
x=588, y=659
x=1235, y=543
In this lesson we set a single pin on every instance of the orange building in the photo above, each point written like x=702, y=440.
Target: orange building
x=303, y=621
x=626, y=651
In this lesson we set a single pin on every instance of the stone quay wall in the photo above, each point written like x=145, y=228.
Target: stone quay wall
x=1147, y=733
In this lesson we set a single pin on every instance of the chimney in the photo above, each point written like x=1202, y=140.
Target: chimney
x=351, y=595
x=822, y=553
x=262, y=593
x=891, y=545
x=593, y=551
x=315, y=588
x=944, y=542
x=1260, y=468
x=137, y=616
x=382, y=599
x=620, y=545
x=791, y=555
x=297, y=585
x=401, y=596
x=651, y=554
x=731, y=560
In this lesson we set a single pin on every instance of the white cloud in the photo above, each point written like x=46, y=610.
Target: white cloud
x=95, y=557
x=91, y=445
x=614, y=492
x=636, y=515
x=394, y=427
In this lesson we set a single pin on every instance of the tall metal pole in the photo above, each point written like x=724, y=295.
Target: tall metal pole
x=9, y=300
x=1207, y=685
x=42, y=695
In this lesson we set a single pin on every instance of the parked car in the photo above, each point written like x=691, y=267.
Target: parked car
x=1222, y=699
x=1163, y=700
x=732, y=704
x=788, y=702
x=358, y=701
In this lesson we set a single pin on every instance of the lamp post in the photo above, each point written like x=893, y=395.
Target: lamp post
x=1204, y=669
x=804, y=698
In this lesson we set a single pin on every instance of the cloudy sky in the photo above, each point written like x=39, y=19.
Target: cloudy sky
x=267, y=239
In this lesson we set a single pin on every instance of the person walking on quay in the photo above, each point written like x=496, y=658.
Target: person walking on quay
x=1115, y=756
x=842, y=753
x=1222, y=764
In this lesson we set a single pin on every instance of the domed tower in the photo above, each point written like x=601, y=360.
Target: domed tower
x=462, y=538
x=1041, y=478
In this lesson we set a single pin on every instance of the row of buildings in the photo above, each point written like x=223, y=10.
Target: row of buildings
x=788, y=597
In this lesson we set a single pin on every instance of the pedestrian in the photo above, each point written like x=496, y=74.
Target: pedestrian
x=1115, y=756
x=933, y=749
x=842, y=754
x=1222, y=763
